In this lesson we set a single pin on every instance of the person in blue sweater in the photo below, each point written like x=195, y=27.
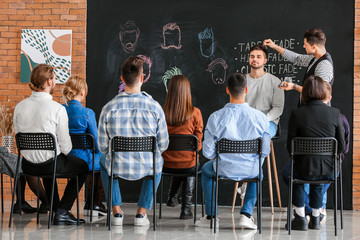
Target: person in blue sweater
x=82, y=120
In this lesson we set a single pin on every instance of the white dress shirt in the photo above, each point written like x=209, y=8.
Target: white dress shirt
x=39, y=113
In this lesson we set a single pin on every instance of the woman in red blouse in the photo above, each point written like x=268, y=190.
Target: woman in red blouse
x=181, y=118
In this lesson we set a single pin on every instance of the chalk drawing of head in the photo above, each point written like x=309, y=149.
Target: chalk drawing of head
x=169, y=74
x=129, y=35
x=172, y=36
x=217, y=68
x=146, y=69
x=207, y=44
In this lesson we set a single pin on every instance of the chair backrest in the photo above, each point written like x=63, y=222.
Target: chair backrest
x=82, y=141
x=36, y=141
x=182, y=143
x=314, y=146
x=245, y=146
x=133, y=144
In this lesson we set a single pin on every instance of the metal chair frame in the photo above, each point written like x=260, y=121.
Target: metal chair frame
x=131, y=144
x=325, y=146
x=245, y=146
x=40, y=141
x=86, y=141
x=179, y=142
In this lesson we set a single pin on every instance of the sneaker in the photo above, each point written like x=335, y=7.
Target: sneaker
x=246, y=235
x=246, y=222
x=141, y=220
x=117, y=219
x=241, y=191
x=298, y=223
x=205, y=223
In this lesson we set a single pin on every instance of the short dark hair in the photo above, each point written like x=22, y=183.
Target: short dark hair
x=259, y=47
x=315, y=36
x=39, y=75
x=236, y=84
x=314, y=88
x=131, y=69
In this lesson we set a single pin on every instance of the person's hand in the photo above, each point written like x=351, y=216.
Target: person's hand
x=286, y=86
x=269, y=43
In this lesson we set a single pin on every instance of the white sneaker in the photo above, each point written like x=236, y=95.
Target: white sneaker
x=204, y=222
x=117, y=219
x=241, y=191
x=141, y=220
x=246, y=222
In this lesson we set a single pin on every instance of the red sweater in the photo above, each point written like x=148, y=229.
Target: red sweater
x=185, y=159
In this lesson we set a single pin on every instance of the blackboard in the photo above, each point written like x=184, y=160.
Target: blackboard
x=207, y=41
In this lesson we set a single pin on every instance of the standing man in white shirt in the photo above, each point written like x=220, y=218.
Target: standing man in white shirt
x=39, y=113
x=263, y=91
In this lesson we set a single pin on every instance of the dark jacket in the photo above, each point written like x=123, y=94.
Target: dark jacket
x=315, y=119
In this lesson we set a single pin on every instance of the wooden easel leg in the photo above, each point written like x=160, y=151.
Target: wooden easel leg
x=275, y=174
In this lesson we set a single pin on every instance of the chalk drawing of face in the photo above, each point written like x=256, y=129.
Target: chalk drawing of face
x=146, y=69
x=172, y=36
x=169, y=74
x=207, y=44
x=129, y=35
x=217, y=68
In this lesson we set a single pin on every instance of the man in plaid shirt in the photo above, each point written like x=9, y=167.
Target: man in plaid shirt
x=132, y=113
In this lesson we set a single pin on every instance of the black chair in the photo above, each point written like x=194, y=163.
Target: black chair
x=40, y=141
x=86, y=141
x=183, y=143
x=228, y=146
x=301, y=146
x=131, y=144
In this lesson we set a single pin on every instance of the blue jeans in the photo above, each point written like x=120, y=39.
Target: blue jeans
x=272, y=129
x=207, y=173
x=146, y=194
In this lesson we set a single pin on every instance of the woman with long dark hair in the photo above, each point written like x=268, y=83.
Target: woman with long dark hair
x=182, y=118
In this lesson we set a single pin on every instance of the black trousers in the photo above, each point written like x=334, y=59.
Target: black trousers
x=65, y=165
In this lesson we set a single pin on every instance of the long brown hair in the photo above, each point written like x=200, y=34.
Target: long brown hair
x=178, y=106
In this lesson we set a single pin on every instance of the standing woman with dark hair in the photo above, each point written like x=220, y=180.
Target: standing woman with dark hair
x=182, y=118
x=82, y=120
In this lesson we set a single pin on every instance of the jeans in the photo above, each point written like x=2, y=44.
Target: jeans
x=207, y=173
x=146, y=193
x=272, y=129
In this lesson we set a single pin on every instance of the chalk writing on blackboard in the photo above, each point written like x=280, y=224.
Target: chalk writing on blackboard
x=276, y=64
x=207, y=44
x=129, y=35
x=217, y=68
x=172, y=36
x=169, y=74
x=146, y=69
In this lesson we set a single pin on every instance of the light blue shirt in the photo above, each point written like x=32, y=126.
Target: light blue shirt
x=236, y=122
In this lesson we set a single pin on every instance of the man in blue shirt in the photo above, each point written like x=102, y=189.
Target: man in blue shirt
x=236, y=121
x=132, y=113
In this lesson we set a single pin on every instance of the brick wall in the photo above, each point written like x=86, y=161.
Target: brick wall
x=36, y=14
x=356, y=130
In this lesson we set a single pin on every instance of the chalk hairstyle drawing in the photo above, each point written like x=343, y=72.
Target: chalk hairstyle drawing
x=217, y=61
x=128, y=28
x=147, y=61
x=171, y=27
x=169, y=74
x=207, y=34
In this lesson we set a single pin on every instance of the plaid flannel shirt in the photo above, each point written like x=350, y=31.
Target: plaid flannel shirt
x=133, y=115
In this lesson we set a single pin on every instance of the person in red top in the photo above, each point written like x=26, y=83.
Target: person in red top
x=181, y=118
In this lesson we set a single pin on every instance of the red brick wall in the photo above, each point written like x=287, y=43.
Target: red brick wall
x=36, y=14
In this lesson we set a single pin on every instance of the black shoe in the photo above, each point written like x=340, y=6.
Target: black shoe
x=314, y=222
x=43, y=208
x=25, y=207
x=97, y=210
x=66, y=219
x=187, y=192
x=298, y=223
x=174, y=192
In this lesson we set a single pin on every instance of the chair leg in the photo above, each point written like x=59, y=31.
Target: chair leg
x=335, y=205
x=289, y=213
x=2, y=194
x=92, y=195
x=196, y=196
x=161, y=194
x=77, y=200
x=212, y=204
x=13, y=199
x=270, y=184
x=110, y=202
x=20, y=196
x=154, y=202
x=37, y=201
x=51, y=201
x=341, y=200
x=216, y=202
x=234, y=196
x=275, y=175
